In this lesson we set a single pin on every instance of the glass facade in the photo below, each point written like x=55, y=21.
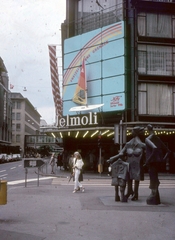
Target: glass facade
x=92, y=14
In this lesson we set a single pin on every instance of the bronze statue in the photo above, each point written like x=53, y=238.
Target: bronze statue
x=134, y=154
x=156, y=153
x=119, y=177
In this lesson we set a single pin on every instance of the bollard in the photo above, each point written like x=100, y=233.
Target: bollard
x=3, y=192
x=100, y=168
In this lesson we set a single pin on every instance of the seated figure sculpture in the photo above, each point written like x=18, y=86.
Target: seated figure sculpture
x=134, y=154
x=120, y=170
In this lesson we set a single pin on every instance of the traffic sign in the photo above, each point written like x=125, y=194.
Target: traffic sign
x=33, y=162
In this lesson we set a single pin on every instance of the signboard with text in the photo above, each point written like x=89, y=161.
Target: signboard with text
x=102, y=77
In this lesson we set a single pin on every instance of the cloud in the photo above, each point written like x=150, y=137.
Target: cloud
x=27, y=28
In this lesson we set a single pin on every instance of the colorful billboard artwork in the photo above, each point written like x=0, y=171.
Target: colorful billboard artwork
x=96, y=57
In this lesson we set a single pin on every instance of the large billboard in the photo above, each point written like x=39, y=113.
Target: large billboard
x=94, y=71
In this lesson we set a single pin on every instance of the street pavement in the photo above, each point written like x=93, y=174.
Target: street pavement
x=51, y=211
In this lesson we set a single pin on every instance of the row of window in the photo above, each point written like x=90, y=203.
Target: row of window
x=156, y=99
x=40, y=139
x=156, y=60
x=16, y=105
x=16, y=138
x=16, y=127
x=156, y=25
x=90, y=17
x=16, y=116
x=160, y=0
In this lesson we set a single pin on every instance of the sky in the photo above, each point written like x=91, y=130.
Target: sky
x=27, y=27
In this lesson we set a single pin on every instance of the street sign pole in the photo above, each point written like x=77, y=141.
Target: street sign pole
x=32, y=163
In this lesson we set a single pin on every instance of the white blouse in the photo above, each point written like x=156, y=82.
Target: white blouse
x=78, y=163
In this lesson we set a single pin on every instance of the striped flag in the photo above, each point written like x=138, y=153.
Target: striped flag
x=55, y=80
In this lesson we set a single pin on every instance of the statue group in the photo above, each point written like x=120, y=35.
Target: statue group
x=128, y=166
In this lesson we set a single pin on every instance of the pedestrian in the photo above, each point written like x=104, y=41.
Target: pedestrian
x=71, y=157
x=156, y=153
x=52, y=162
x=77, y=170
x=59, y=161
x=65, y=160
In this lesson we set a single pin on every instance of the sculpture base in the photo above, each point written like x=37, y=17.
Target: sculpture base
x=154, y=198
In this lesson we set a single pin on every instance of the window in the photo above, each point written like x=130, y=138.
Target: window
x=18, y=116
x=18, y=105
x=13, y=105
x=156, y=99
x=156, y=25
x=156, y=60
x=13, y=138
x=18, y=138
x=13, y=116
x=13, y=127
x=18, y=127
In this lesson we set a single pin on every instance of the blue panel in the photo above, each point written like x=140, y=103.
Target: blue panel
x=94, y=88
x=68, y=59
x=103, y=50
x=93, y=71
x=79, y=42
x=113, y=67
x=113, y=85
x=114, y=102
x=113, y=49
x=68, y=104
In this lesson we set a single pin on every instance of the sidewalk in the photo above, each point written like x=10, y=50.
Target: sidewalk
x=88, y=174
x=53, y=212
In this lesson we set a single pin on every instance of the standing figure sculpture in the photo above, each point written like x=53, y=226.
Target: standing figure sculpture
x=134, y=154
x=120, y=170
x=156, y=153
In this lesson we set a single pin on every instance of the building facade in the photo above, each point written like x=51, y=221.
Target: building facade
x=25, y=120
x=126, y=52
x=5, y=110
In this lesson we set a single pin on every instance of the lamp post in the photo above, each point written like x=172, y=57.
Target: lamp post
x=99, y=145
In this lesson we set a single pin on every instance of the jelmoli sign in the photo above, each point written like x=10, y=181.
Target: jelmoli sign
x=80, y=120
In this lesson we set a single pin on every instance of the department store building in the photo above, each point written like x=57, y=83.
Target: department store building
x=119, y=72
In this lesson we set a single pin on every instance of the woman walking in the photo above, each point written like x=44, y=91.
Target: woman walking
x=52, y=162
x=77, y=170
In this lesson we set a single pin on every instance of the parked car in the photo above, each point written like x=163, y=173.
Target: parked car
x=9, y=157
x=17, y=157
x=2, y=158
